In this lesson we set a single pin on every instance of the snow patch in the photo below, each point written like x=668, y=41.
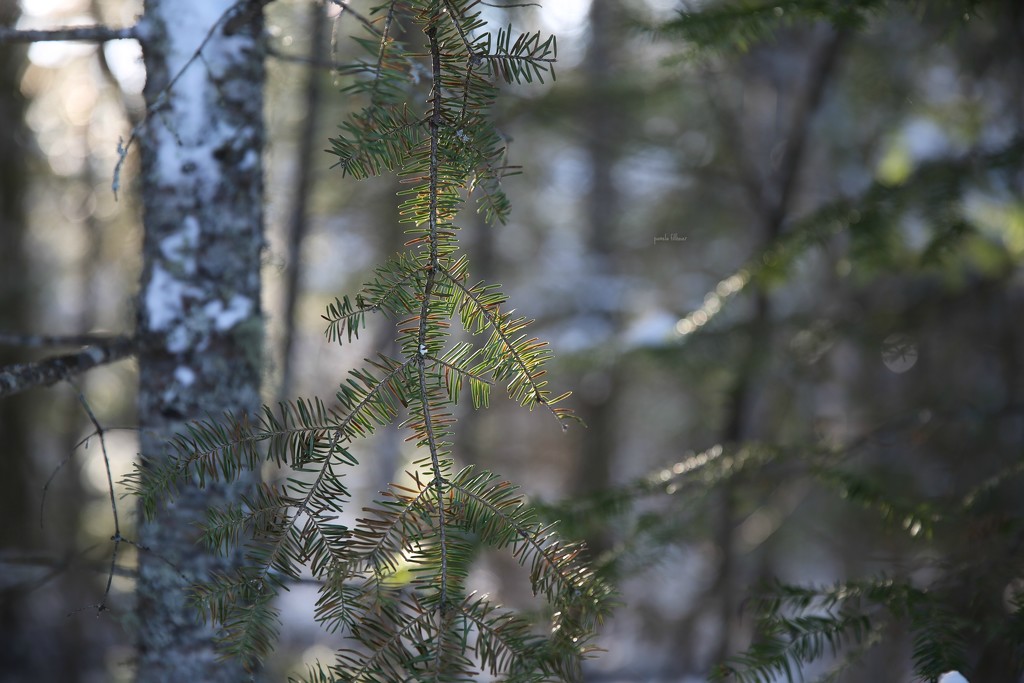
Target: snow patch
x=181, y=245
x=226, y=317
x=249, y=161
x=125, y=60
x=583, y=333
x=655, y=329
x=187, y=143
x=165, y=299
x=184, y=375
x=178, y=340
x=926, y=140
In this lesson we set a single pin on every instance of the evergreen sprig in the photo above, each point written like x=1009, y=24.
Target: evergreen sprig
x=798, y=625
x=741, y=24
x=394, y=581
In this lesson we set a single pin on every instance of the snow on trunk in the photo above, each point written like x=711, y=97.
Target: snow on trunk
x=199, y=314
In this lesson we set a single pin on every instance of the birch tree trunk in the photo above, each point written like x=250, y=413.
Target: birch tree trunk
x=199, y=313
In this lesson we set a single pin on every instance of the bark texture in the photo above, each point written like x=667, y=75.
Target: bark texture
x=200, y=326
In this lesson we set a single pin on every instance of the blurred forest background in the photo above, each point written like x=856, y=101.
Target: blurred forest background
x=779, y=260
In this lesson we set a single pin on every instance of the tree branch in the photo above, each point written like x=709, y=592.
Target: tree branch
x=298, y=223
x=17, y=378
x=309, y=61
x=89, y=34
x=749, y=176
x=50, y=340
x=822, y=69
x=773, y=203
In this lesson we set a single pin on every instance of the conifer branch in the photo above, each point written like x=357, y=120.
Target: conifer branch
x=740, y=24
x=342, y=429
x=435, y=121
x=210, y=452
x=537, y=541
x=453, y=16
x=526, y=354
x=375, y=539
x=396, y=581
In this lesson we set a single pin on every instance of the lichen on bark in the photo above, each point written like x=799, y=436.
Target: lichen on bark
x=199, y=319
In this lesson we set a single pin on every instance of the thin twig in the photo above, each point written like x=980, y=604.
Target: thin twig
x=116, y=538
x=84, y=441
x=456, y=369
x=436, y=115
x=454, y=16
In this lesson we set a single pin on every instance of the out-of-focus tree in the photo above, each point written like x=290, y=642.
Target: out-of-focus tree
x=15, y=304
x=847, y=222
x=200, y=328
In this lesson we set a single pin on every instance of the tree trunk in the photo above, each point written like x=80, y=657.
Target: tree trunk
x=199, y=314
x=598, y=387
x=16, y=660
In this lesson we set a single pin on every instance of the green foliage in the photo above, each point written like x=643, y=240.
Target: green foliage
x=871, y=222
x=795, y=626
x=393, y=582
x=799, y=624
x=741, y=24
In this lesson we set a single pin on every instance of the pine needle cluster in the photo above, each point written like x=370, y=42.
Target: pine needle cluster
x=394, y=583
